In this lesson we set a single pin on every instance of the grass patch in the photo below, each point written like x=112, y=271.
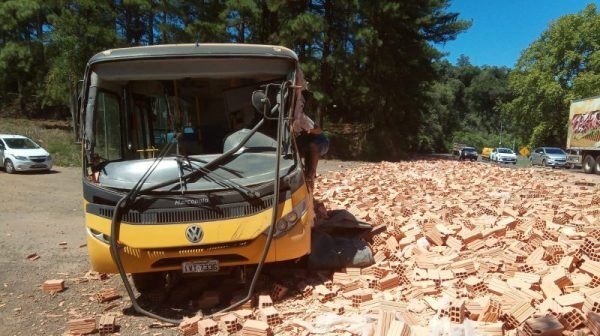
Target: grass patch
x=54, y=135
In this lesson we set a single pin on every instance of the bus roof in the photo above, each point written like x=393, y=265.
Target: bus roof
x=193, y=49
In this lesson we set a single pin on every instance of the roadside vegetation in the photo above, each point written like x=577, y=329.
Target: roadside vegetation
x=55, y=136
x=373, y=66
x=563, y=64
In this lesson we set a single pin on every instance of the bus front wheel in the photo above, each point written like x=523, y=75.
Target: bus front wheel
x=147, y=282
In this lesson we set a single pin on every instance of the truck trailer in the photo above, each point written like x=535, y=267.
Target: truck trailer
x=584, y=132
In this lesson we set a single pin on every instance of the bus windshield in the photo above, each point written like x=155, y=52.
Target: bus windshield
x=201, y=119
x=136, y=123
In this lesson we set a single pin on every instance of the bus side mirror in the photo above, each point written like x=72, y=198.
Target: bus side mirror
x=261, y=102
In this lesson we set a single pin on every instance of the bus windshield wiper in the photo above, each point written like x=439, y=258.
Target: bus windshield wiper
x=211, y=175
x=209, y=165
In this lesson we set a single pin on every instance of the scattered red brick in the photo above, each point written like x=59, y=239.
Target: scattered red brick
x=53, y=286
x=33, y=256
x=256, y=328
x=189, y=326
x=81, y=326
x=207, y=327
x=106, y=295
x=107, y=324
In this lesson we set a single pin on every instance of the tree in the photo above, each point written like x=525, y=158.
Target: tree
x=464, y=106
x=241, y=16
x=563, y=64
x=368, y=62
x=486, y=91
x=81, y=29
x=398, y=66
x=135, y=21
x=203, y=21
x=22, y=62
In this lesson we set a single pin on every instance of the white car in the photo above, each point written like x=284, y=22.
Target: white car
x=19, y=153
x=503, y=155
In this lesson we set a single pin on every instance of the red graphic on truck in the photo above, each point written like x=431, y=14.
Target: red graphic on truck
x=586, y=125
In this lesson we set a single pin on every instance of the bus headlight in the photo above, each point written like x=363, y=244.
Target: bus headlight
x=99, y=235
x=289, y=220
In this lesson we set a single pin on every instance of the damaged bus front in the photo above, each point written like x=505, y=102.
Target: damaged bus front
x=184, y=149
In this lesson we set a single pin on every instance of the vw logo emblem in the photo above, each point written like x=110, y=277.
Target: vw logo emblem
x=194, y=234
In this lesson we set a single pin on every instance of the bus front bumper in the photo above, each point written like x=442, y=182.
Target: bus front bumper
x=291, y=245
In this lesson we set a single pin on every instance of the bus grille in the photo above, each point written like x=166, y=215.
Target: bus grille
x=182, y=215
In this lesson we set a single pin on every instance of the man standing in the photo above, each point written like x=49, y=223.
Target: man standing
x=311, y=141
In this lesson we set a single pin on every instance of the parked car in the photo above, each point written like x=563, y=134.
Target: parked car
x=574, y=158
x=468, y=153
x=19, y=153
x=548, y=157
x=486, y=152
x=503, y=155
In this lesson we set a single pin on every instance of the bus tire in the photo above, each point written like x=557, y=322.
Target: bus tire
x=146, y=282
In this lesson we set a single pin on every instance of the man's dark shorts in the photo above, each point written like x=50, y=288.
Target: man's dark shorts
x=320, y=140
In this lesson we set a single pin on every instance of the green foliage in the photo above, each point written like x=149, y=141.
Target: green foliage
x=541, y=135
x=463, y=106
x=21, y=54
x=563, y=64
x=367, y=61
x=73, y=36
x=239, y=16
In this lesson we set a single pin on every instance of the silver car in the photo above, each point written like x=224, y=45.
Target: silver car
x=19, y=153
x=548, y=157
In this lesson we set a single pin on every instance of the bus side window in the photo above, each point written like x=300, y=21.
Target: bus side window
x=108, y=126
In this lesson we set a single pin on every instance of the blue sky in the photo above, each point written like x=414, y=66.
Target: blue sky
x=503, y=28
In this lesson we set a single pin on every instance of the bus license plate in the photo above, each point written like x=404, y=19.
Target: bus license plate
x=203, y=266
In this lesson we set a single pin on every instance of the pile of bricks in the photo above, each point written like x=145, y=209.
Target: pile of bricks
x=258, y=320
x=514, y=250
